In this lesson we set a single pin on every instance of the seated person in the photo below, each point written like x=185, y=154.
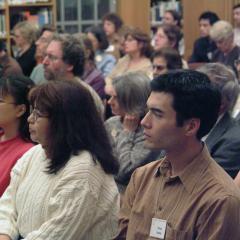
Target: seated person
x=24, y=36
x=129, y=93
x=186, y=195
x=166, y=59
x=8, y=65
x=227, y=51
x=204, y=46
x=223, y=141
x=14, y=136
x=104, y=61
x=63, y=188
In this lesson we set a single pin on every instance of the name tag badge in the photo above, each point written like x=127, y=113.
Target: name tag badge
x=158, y=228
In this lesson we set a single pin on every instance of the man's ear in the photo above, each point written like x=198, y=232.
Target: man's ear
x=192, y=126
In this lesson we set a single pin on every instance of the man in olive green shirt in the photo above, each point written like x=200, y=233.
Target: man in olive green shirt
x=186, y=195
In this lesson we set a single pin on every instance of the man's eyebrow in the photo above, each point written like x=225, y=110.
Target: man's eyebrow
x=155, y=110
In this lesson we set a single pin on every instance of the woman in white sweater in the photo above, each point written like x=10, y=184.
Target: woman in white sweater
x=62, y=189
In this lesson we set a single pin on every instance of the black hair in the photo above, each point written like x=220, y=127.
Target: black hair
x=193, y=97
x=115, y=19
x=2, y=45
x=18, y=87
x=171, y=56
x=100, y=35
x=236, y=6
x=74, y=125
x=212, y=17
x=176, y=16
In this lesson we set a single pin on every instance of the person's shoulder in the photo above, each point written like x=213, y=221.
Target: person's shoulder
x=113, y=120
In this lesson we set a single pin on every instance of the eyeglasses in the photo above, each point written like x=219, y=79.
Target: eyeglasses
x=159, y=67
x=51, y=57
x=36, y=114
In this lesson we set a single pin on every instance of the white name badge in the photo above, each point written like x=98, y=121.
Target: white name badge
x=158, y=228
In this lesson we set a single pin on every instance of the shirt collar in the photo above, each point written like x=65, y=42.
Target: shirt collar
x=191, y=175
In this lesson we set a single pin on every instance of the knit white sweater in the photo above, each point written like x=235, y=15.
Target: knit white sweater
x=79, y=202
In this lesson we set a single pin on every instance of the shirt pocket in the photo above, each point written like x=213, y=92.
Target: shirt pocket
x=175, y=234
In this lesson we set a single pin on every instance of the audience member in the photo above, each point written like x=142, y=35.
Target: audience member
x=105, y=62
x=112, y=24
x=129, y=94
x=236, y=18
x=65, y=59
x=168, y=36
x=223, y=141
x=91, y=74
x=8, y=65
x=25, y=34
x=63, y=188
x=173, y=17
x=186, y=195
x=227, y=51
x=14, y=111
x=138, y=51
x=204, y=46
x=46, y=35
x=164, y=60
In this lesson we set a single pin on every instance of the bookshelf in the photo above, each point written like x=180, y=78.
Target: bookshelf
x=13, y=11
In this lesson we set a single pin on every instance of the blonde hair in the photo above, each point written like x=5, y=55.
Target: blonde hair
x=27, y=30
x=221, y=30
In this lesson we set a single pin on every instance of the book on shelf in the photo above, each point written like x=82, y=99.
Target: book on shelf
x=40, y=17
x=13, y=2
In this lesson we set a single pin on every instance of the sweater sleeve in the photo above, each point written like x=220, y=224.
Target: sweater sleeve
x=8, y=212
x=72, y=207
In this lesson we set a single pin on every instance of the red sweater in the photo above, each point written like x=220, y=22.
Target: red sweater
x=10, y=151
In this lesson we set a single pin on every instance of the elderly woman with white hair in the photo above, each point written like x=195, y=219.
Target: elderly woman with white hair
x=227, y=52
x=129, y=94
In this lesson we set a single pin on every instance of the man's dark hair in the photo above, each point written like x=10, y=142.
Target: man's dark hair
x=115, y=19
x=193, y=97
x=74, y=125
x=212, y=17
x=236, y=6
x=73, y=52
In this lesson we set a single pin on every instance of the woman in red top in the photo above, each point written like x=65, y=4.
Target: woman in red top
x=14, y=135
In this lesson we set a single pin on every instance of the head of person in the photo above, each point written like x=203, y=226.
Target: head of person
x=65, y=129
x=25, y=34
x=223, y=35
x=45, y=36
x=167, y=35
x=129, y=93
x=164, y=60
x=136, y=41
x=172, y=17
x=183, y=106
x=98, y=37
x=206, y=20
x=64, y=58
x=236, y=14
x=111, y=24
x=3, y=49
x=14, y=104
x=224, y=79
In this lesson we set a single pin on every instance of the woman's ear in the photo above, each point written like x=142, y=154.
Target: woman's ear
x=20, y=110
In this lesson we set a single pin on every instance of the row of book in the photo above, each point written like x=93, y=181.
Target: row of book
x=40, y=17
x=2, y=25
x=14, y=2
